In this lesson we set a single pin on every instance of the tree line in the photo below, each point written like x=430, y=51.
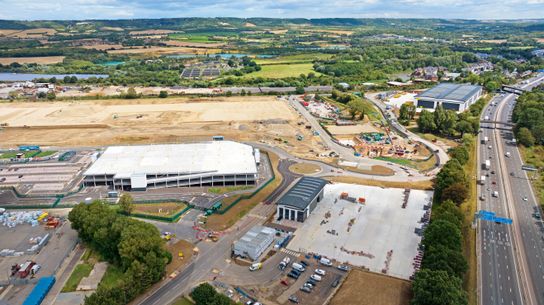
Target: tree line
x=132, y=245
x=528, y=115
x=440, y=279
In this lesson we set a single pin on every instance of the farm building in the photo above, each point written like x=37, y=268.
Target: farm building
x=301, y=199
x=216, y=163
x=254, y=242
x=451, y=96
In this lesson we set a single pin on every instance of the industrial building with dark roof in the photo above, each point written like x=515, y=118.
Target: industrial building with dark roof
x=301, y=199
x=457, y=97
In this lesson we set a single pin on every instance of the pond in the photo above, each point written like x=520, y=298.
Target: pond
x=22, y=77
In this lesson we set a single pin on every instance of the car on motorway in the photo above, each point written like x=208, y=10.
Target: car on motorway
x=320, y=271
x=507, y=154
x=482, y=197
x=524, y=198
x=495, y=194
x=536, y=215
x=489, y=147
x=293, y=299
x=493, y=172
x=493, y=182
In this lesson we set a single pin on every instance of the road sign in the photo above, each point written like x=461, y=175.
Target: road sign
x=490, y=216
x=529, y=168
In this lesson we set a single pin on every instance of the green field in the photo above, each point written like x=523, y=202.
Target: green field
x=291, y=59
x=192, y=38
x=283, y=70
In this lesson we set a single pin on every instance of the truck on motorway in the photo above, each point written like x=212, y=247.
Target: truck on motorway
x=487, y=164
x=482, y=180
x=486, y=118
x=484, y=140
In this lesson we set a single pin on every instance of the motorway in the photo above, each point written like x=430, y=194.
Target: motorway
x=510, y=256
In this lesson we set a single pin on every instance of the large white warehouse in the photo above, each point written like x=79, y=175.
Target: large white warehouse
x=216, y=163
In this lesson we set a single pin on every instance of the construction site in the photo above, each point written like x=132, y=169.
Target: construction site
x=348, y=226
x=262, y=119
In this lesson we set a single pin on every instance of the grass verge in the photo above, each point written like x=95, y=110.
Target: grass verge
x=416, y=185
x=535, y=156
x=183, y=301
x=80, y=271
x=112, y=276
x=219, y=222
x=164, y=209
x=228, y=189
x=468, y=208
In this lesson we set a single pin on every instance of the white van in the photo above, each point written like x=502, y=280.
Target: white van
x=298, y=267
x=255, y=266
x=325, y=261
x=495, y=194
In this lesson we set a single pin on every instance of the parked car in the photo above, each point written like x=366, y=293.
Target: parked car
x=293, y=299
x=305, y=263
x=293, y=275
x=308, y=285
x=315, y=277
x=343, y=268
x=295, y=271
x=320, y=271
x=335, y=283
x=305, y=289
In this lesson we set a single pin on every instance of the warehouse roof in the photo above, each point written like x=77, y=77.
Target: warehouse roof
x=452, y=92
x=256, y=237
x=303, y=192
x=215, y=157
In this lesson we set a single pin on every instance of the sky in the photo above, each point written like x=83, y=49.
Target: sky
x=128, y=9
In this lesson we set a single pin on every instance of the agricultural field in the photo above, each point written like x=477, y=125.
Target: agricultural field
x=283, y=71
x=44, y=60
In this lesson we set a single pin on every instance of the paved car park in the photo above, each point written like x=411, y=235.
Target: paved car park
x=378, y=235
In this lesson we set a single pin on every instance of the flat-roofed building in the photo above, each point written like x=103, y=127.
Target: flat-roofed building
x=254, y=242
x=457, y=97
x=301, y=199
x=215, y=163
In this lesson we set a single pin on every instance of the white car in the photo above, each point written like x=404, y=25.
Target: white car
x=315, y=277
x=525, y=199
x=320, y=271
x=489, y=147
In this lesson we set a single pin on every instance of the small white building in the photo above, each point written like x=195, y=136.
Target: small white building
x=254, y=242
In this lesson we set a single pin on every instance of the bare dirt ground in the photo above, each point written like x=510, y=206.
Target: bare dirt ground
x=177, y=262
x=365, y=288
x=45, y=60
x=145, y=121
